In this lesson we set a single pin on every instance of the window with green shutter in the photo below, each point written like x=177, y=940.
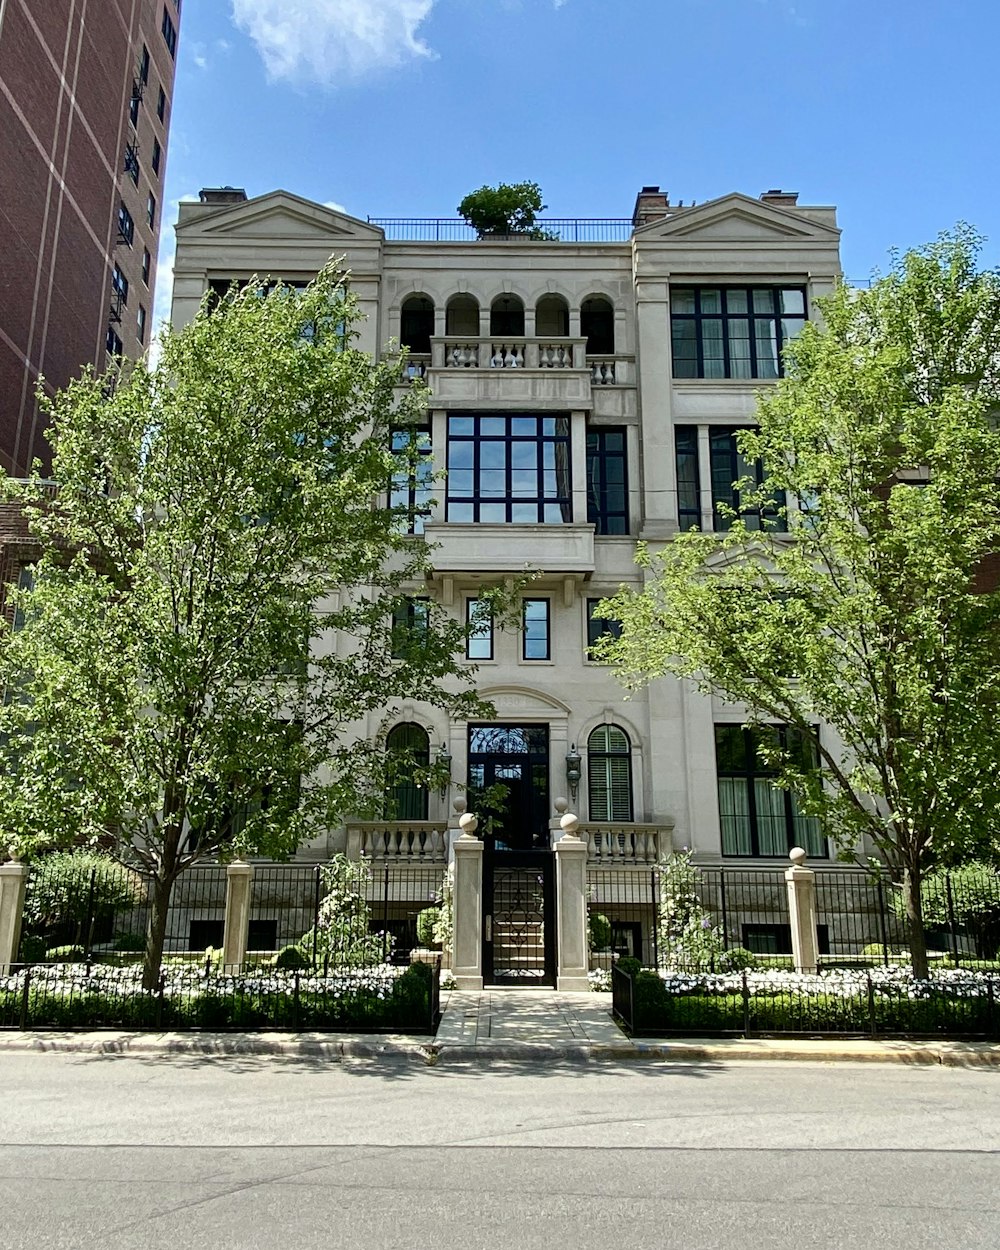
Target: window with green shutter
x=407, y=798
x=609, y=773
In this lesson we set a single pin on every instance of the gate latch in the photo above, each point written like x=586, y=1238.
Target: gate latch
x=489, y=928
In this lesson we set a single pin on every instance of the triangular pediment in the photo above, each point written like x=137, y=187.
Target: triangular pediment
x=735, y=218
x=281, y=215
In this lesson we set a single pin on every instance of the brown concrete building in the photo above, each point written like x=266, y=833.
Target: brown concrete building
x=85, y=95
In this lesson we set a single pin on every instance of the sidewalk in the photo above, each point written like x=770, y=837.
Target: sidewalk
x=511, y=1026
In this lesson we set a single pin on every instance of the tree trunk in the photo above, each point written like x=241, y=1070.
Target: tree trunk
x=156, y=933
x=915, y=922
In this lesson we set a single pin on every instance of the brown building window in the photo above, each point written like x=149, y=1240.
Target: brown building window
x=157, y=154
x=119, y=284
x=161, y=104
x=169, y=32
x=140, y=324
x=114, y=343
x=151, y=208
x=145, y=265
x=126, y=226
x=144, y=65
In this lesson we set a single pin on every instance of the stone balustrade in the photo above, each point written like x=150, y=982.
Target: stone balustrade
x=398, y=840
x=625, y=843
x=508, y=352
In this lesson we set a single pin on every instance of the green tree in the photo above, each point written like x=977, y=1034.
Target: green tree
x=506, y=209
x=210, y=617
x=68, y=890
x=872, y=615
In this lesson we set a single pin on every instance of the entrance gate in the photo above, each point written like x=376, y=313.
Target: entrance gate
x=519, y=927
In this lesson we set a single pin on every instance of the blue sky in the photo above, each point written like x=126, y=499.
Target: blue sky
x=397, y=108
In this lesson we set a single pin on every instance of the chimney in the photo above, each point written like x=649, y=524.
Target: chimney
x=651, y=204
x=783, y=199
x=222, y=195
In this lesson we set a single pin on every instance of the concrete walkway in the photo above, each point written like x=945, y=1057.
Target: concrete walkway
x=511, y=1026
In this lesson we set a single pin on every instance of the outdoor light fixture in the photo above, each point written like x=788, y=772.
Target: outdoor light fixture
x=444, y=762
x=573, y=762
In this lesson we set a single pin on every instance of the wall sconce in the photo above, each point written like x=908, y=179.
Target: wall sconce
x=573, y=762
x=444, y=764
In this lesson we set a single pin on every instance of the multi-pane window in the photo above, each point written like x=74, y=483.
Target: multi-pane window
x=733, y=332
x=146, y=262
x=156, y=157
x=535, y=629
x=126, y=226
x=607, y=480
x=410, y=626
x=119, y=284
x=130, y=164
x=407, y=798
x=413, y=482
x=140, y=324
x=133, y=112
x=151, y=208
x=688, y=479
x=609, y=774
x=509, y=468
x=113, y=343
x=144, y=65
x=600, y=626
x=479, y=639
x=759, y=819
x=169, y=32
x=729, y=466
x=25, y=582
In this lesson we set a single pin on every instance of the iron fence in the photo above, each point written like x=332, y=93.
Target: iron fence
x=455, y=230
x=623, y=904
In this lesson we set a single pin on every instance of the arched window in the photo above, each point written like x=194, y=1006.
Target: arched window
x=597, y=325
x=507, y=317
x=609, y=774
x=461, y=316
x=416, y=323
x=552, y=317
x=407, y=799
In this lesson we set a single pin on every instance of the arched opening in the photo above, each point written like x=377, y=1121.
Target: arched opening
x=552, y=317
x=507, y=317
x=597, y=325
x=609, y=774
x=416, y=323
x=407, y=799
x=461, y=316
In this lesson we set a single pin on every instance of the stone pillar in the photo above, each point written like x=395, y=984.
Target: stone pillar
x=13, y=880
x=801, y=882
x=571, y=907
x=239, y=878
x=467, y=902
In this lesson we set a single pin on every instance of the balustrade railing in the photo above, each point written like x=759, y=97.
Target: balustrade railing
x=625, y=843
x=397, y=840
x=508, y=352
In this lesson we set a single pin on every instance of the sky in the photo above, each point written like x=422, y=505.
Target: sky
x=397, y=108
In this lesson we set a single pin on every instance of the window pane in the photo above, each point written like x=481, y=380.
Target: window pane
x=772, y=832
x=682, y=301
x=734, y=816
x=767, y=349
x=736, y=301
x=763, y=300
x=711, y=301
x=793, y=302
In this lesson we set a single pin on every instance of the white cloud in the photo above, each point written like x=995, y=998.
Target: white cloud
x=332, y=41
x=332, y=204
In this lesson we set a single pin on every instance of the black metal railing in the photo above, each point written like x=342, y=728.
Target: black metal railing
x=454, y=230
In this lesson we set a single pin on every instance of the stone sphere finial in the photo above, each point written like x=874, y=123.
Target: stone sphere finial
x=459, y=804
x=797, y=855
x=570, y=823
x=468, y=824
x=561, y=805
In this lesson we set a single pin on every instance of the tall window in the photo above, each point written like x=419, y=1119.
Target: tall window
x=728, y=467
x=609, y=774
x=146, y=260
x=413, y=482
x=407, y=798
x=156, y=157
x=416, y=324
x=113, y=343
x=733, y=332
x=597, y=325
x=479, y=640
x=161, y=103
x=509, y=468
x=119, y=284
x=535, y=643
x=607, y=480
x=600, y=626
x=410, y=625
x=140, y=324
x=169, y=32
x=126, y=226
x=151, y=208
x=757, y=818
x=688, y=482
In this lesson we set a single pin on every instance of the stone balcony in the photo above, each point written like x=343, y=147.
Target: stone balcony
x=483, y=548
x=413, y=841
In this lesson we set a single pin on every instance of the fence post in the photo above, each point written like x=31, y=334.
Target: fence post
x=881, y=920
x=571, y=907
x=801, y=885
x=239, y=877
x=952, y=929
x=467, y=955
x=13, y=881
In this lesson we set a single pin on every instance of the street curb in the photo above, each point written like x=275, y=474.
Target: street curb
x=333, y=1049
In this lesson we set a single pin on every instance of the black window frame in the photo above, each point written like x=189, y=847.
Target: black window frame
x=754, y=770
x=412, y=487
x=133, y=109
x=725, y=318
x=161, y=104
x=601, y=459
x=144, y=65
x=113, y=343
x=528, y=635
x=157, y=156
x=140, y=324
x=688, y=477
x=512, y=430
x=724, y=476
x=147, y=261
x=410, y=627
x=119, y=284
x=151, y=209
x=483, y=631
x=169, y=31
x=126, y=224
x=599, y=626
x=602, y=757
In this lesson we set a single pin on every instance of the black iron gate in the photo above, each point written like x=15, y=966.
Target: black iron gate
x=519, y=932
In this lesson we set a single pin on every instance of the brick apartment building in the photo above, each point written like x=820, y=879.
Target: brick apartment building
x=85, y=96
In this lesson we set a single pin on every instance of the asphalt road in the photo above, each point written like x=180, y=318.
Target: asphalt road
x=104, y=1153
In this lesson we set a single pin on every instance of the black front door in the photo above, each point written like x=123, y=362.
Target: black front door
x=509, y=791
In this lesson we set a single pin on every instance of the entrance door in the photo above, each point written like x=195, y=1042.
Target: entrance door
x=509, y=785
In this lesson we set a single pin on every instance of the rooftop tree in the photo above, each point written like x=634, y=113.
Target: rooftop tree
x=876, y=615
x=506, y=209
x=210, y=617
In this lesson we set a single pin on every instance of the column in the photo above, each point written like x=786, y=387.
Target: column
x=571, y=907
x=801, y=884
x=13, y=880
x=467, y=941
x=239, y=877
